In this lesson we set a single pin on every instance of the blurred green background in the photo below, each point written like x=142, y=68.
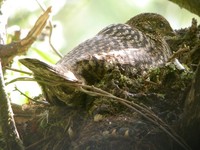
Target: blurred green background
x=76, y=21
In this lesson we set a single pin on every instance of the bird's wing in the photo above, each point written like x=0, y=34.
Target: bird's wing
x=116, y=41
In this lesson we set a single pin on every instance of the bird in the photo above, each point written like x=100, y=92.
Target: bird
x=134, y=47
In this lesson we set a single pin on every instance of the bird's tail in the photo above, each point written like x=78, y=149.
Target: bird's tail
x=57, y=84
x=48, y=72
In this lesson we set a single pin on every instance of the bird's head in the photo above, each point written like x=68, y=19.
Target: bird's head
x=151, y=23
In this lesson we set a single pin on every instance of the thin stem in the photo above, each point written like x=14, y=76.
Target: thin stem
x=42, y=6
x=20, y=71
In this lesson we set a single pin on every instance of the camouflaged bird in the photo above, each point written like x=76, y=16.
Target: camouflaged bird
x=134, y=47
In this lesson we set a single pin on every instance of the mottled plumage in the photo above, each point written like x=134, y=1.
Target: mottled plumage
x=134, y=47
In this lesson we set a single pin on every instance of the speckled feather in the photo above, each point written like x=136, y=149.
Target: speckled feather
x=135, y=47
x=117, y=45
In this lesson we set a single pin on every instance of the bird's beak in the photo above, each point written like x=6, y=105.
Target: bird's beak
x=172, y=33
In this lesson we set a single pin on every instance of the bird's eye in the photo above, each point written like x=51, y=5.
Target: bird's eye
x=161, y=25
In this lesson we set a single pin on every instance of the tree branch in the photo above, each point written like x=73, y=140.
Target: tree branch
x=191, y=5
x=7, y=122
x=9, y=51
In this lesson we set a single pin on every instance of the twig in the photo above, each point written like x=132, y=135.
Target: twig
x=174, y=56
x=20, y=71
x=177, y=53
x=20, y=79
x=32, y=146
x=42, y=6
x=39, y=102
x=143, y=111
x=36, y=30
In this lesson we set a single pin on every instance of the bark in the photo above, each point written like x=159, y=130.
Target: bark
x=190, y=124
x=7, y=122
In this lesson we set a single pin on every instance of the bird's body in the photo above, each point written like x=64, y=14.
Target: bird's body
x=134, y=47
x=117, y=45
